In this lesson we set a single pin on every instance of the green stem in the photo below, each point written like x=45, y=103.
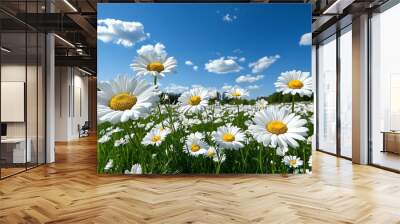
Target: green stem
x=260, y=159
x=293, y=103
x=243, y=161
x=155, y=80
x=304, y=160
x=218, y=167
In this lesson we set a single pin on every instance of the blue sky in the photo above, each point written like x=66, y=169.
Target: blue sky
x=263, y=40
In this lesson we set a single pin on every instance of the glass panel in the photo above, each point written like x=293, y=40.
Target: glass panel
x=385, y=84
x=13, y=80
x=327, y=95
x=346, y=92
x=41, y=98
x=31, y=98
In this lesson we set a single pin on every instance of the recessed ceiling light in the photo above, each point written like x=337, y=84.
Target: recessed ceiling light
x=5, y=50
x=84, y=71
x=70, y=5
x=64, y=40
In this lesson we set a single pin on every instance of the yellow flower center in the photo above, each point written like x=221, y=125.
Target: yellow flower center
x=156, y=138
x=295, y=84
x=122, y=101
x=155, y=66
x=228, y=137
x=210, y=152
x=236, y=94
x=277, y=127
x=292, y=162
x=194, y=100
x=195, y=148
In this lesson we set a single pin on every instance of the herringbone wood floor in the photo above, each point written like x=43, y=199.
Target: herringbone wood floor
x=69, y=191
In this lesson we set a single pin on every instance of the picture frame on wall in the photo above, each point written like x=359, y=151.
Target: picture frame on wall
x=204, y=89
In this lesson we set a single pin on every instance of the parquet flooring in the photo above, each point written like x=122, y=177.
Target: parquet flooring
x=69, y=191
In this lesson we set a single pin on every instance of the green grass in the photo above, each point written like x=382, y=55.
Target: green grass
x=170, y=157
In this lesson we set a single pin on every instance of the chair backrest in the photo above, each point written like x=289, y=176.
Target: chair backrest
x=86, y=125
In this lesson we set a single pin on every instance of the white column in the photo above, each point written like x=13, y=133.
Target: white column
x=314, y=78
x=360, y=90
x=50, y=98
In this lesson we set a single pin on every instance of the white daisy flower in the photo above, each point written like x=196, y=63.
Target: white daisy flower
x=135, y=169
x=163, y=127
x=278, y=127
x=310, y=161
x=294, y=82
x=220, y=158
x=261, y=104
x=109, y=165
x=105, y=138
x=229, y=137
x=237, y=93
x=195, y=145
x=194, y=100
x=211, y=151
x=292, y=161
x=154, y=137
x=281, y=151
x=120, y=142
x=153, y=60
x=124, y=98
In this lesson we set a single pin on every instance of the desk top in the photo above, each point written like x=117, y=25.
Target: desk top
x=391, y=132
x=13, y=140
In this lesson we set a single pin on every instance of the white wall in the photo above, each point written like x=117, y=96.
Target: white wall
x=70, y=83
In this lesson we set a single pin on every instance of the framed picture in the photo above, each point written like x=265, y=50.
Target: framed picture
x=204, y=89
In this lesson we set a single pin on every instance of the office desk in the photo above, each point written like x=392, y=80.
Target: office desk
x=391, y=141
x=13, y=150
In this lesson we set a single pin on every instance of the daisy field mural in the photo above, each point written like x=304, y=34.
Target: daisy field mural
x=204, y=89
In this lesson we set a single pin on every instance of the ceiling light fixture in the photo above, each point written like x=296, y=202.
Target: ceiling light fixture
x=337, y=7
x=64, y=40
x=84, y=71
x=5, y=50
x=70, y=5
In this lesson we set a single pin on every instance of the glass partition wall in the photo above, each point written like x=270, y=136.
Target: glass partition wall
x=334, y=94
x=345, y=90
x=326, y=102
x=385, y=89
x=22, y=98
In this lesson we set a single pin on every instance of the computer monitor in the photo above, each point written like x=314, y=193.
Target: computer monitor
x=3, y=129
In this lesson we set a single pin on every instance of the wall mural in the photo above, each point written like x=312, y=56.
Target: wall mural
x=204, y=89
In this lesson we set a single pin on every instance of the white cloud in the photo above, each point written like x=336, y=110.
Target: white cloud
x=157, y=49
x=242, y=59
x=120, y=32
x=306, y=39
x=222, y=66
x=253, y=87
x=237, y=51
x=174, y=88
x=232, y=57
x=190, y=63
x=197, y=86
x=248, y=78
x=263, y=63
x=226, y=87
x=229, y=18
